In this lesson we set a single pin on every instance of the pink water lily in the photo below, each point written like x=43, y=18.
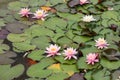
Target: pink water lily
x=52, y=50
x=91, y=58
x=83, y=2
x=40, y=14
x=24, y=12
x=101, y=43
x=70, y=53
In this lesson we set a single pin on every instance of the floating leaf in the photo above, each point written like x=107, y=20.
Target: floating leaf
x=16, y=5
x=55, y=2
x=41, y=42
x=64, y=41
x=68, y=16
x=17, y=37
x=59, y=76
x=110, y=64
x=54, y=22
x=3, y=48
x=24, y=46
x=69, y=69
x=37, y=2
x=101, y=74
x=38, y=70
x=38, y=30
x=110, y=15
x=9, y=73
x=36, y=55
x=81, y=39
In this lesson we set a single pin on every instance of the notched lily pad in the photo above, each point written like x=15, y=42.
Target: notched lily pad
x=9, y=73
x=16, y=27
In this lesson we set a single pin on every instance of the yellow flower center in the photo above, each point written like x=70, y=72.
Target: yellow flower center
x=53, y=49
x=39, y=13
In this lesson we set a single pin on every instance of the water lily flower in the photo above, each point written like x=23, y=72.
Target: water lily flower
x=52, y=50
x=88, y=18
x=83, y=2
x=91, y=58
x=24, y=12
x=40, y=14
x=101, y=43
x=70, y=53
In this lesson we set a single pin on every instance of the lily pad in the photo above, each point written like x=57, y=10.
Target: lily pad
x=12, y=72
x=38, y=70
x=59, y=76
x=101, y=74
x=36, y=55
x=110, y=64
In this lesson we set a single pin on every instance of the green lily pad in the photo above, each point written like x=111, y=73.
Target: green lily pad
x=81, y=39
x=23, y=46
x=101, y=75
x=38, y=70
x=16, y=5
x=41, y=42
x=68, y=16
x=17, y=37
x=38, y=30
x=54, y=22
x=59, y=76
x=8, y=73
x=55, y=2
x=110, y=64
x=3, y=48
x=36, y=55
x=64, y=41
x=110, y=15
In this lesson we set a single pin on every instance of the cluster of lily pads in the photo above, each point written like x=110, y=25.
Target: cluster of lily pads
x=87, y=32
